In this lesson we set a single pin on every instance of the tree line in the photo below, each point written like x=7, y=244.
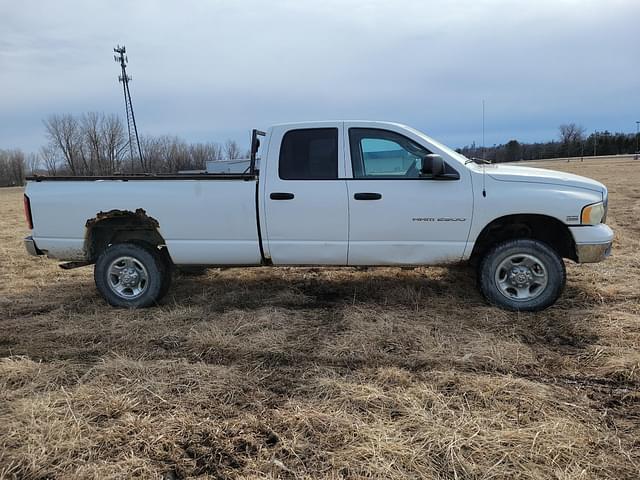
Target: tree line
x=571, y=142
x=98, y=144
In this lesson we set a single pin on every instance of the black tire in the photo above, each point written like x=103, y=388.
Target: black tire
x=144, y=263
x=169, y=269
x=524, y=268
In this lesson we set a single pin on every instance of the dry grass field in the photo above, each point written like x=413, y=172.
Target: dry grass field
x=323, y=373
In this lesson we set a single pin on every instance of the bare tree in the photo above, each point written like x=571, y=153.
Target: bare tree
x=152, y=152
x=32, y=163
x=90, y=132
x=571, y=134
x=94, y=144
x=201, y=153
x=216, y=152
x=12, y=168
x=50, y=158
x=176, y=154
x=18, y=167
x=104, y=140
x=64, y=132
x=114, y=143
x=232, y=150
x=165, y=154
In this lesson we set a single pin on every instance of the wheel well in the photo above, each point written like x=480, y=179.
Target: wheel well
x=537, y=227
x=120, y=226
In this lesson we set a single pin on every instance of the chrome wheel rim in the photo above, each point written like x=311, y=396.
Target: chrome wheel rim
x=521, y=277
x=127, y=277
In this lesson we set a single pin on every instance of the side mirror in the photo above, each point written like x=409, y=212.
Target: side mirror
x=432, y=166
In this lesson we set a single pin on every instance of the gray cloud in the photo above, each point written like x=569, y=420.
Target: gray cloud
x=210, y=70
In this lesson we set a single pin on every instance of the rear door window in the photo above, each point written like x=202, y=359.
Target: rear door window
x=309, y=154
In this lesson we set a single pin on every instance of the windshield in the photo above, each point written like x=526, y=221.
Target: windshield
x=449, y=151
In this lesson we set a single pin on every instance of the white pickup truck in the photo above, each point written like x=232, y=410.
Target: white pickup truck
x=327, y=193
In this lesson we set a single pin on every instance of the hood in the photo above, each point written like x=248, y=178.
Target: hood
x=515, y=173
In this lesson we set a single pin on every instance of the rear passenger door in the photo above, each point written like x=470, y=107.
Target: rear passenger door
x=306, y=204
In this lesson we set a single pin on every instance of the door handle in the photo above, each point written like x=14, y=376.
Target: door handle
x=281, y=196
x=367, y=196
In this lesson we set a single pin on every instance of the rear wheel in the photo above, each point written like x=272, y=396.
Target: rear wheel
x=524, y=275
x=131, y=275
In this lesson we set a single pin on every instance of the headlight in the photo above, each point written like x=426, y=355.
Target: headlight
x=593, y=214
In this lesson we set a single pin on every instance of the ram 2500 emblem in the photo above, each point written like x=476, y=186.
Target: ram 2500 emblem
x=441, y=219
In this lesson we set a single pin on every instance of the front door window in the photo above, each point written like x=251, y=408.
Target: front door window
x=383, y=154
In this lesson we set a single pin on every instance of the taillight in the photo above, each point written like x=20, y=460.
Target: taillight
x=27, y=212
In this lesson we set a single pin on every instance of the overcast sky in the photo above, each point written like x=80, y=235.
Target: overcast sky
x=211, y=70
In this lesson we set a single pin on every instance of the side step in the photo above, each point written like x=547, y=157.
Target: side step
x=71, y=265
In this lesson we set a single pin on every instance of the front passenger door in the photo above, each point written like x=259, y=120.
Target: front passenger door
x=397, y=217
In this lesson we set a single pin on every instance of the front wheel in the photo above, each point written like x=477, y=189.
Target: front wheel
x=130, y=275
x=523, y=275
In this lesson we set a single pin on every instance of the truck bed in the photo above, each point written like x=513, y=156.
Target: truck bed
x=202, y=221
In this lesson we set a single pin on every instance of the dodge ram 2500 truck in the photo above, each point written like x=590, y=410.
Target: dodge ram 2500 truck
x=327, y=193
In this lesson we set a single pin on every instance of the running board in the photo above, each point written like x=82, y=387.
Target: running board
x=72, y=265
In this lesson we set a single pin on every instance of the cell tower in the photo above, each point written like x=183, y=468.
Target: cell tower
x=128, y=105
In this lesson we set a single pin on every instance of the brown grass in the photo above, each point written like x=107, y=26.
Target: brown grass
x=323, y=373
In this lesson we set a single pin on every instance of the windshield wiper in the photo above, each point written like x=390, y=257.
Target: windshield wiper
x=477, y=160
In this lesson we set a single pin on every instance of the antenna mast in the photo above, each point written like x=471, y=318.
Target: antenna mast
x=128, y=105
x=483, y=151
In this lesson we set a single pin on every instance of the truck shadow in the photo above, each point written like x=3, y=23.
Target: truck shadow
x=313, y=288
x=439, y=294
x=388, y=307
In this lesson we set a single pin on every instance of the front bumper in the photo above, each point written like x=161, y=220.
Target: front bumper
x=31, y=247
x=593, y=242
x=592, y=253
